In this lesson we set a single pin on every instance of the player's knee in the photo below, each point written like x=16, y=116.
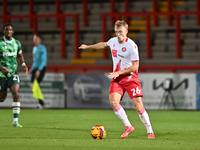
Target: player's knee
x=138, y=104
x=114, y=100
x=114, y=103
x=15, y=95
x=2, y=99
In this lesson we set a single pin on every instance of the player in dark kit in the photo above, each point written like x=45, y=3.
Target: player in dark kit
x=10, y=50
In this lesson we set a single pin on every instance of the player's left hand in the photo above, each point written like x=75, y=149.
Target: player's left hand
x=113, y=75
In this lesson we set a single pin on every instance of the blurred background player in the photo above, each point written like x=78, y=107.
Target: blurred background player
x=10, y=50
x=38, y=67
x=125, y=76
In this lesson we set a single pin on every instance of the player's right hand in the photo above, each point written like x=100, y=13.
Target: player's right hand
x=5, y=71
x=113, y=75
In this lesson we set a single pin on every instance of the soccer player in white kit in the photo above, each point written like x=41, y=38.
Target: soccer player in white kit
x=125, y=76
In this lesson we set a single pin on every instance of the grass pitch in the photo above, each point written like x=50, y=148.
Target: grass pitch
x=70, y=130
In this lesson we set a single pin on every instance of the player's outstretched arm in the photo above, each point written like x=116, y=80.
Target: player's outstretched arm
x=99, y=45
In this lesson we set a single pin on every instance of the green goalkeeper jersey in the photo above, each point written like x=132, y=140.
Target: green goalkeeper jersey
x=8, y=55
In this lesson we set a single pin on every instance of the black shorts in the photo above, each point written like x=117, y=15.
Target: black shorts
x=8, y=82
x=40, y=78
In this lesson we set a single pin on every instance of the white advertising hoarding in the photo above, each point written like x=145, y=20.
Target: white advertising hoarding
x=52, y=88
x=94, y=94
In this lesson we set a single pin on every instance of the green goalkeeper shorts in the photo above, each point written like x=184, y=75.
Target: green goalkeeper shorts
x=8, y=82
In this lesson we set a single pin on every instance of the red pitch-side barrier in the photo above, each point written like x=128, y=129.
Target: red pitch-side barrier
x=100, y=68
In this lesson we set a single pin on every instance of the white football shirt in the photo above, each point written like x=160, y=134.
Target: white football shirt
x=123, y=54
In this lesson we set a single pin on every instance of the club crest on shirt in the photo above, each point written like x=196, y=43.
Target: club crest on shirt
x=15, y=45
x=123, y=49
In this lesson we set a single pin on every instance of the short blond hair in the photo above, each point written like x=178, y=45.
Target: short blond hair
x=120, y=23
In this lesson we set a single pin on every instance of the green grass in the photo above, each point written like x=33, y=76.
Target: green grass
x=70, y=130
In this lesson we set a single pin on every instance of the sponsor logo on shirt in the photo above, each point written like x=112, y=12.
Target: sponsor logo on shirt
x=114, y=53
x=120, y=56
x=9, y=53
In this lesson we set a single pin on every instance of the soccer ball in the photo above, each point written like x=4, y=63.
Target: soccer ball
x=98, y=132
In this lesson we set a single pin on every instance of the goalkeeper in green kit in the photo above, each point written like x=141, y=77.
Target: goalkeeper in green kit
x=10, y=50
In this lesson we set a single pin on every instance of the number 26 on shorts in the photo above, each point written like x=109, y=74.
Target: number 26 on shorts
x=136, y=91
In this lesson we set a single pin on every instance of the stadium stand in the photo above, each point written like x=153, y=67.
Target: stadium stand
x=163, y=35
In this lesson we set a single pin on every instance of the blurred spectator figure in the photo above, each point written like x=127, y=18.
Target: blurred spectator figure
x=38, y=68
